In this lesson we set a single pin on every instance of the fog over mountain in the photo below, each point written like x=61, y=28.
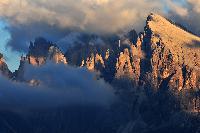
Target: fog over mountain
x=59, y=86
x=56, y=17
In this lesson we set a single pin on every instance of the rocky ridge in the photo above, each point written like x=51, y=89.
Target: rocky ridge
x=40, y=52
x=171, y=52
x=164, y=56
x=155, y=76
x=162, y=51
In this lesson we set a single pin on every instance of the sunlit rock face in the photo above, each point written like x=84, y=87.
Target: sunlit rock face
x=56, y=55
x=94, y=62
x=92, y=57
x=123, y=65
x=170, y=52
x=162, y=53
x=128, y=62
x=40, y=52
x=4, y=68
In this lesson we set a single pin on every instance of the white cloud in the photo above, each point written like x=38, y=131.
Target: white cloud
x=195, y=4
x=91, y=15
x=177, y=8
x=52, y=19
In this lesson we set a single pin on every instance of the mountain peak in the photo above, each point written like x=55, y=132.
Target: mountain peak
x=185, y=46
x=159, y=24
x=155, y=17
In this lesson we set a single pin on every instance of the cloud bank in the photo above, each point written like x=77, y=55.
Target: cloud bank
x=59, y=86
x=91, y=15
x=53, y=20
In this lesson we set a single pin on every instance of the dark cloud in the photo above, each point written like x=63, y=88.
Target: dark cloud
x=80, y=38
x=52, y=19
x=22, y=35
x=60, y=85
x=29, y=19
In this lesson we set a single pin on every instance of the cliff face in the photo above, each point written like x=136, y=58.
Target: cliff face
x=123, y=65
x=4, y=68
x=162, y=58
x=162, y=54
x=128, y=62
x=54, y=54
x=170, y=52
x=40, y=52
x=94, y=62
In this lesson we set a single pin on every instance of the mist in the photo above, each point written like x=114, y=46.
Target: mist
x=60, y=86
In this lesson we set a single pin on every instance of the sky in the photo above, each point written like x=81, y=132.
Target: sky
x=21, y=21
x=12, y=57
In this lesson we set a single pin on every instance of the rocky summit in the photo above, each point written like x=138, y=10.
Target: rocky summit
x=163, y=53
x=171, y=52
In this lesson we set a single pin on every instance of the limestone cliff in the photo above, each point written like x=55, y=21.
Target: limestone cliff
x=123, y=65
x=56, y=55
x=4, y=68
x=94, y=62
x=41, y=50
x=162, y=51
x=170, y=51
